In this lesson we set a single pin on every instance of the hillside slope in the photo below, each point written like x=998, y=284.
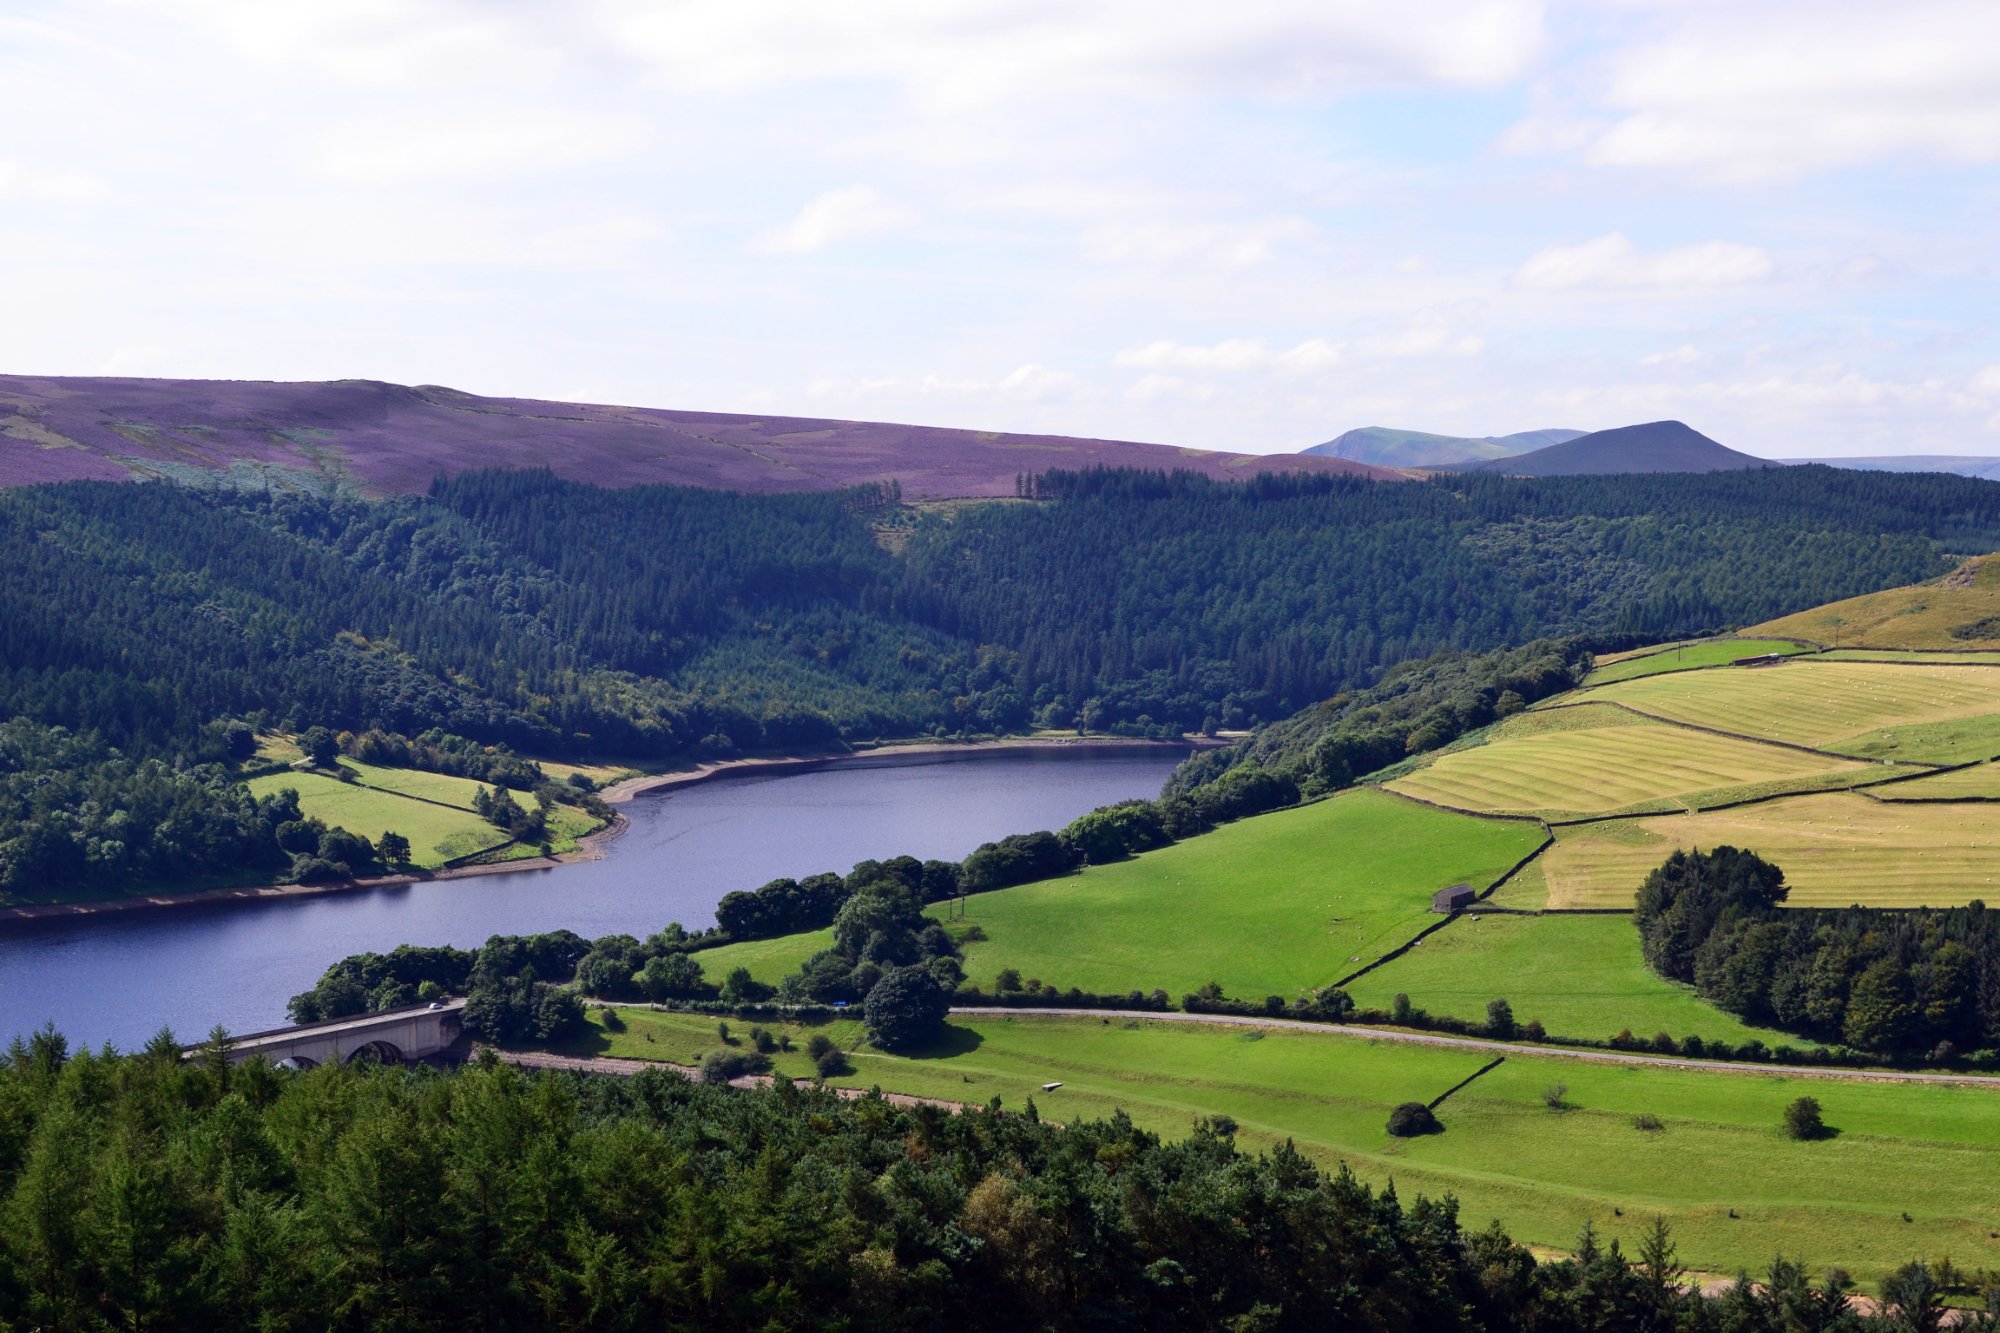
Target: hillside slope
x=1924, y=615
x=1965, y=465
x=394, y=438
x=1656, y=446
x=1387, y=446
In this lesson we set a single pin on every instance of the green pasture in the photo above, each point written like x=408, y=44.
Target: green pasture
x=1816, y=703
x=1686, y=657
x=1277, y=904
x=1579, y=976
x=437, y=834
x=1931, y=1151
x=1558, y=772
x=1281, y=903
x=1910, y=655
x=440, y=787
x=1980, y=782
x=768, y=960
x=1836, y=849
x=1953, y=741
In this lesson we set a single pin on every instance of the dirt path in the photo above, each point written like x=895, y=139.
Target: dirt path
x=1492, y=1047
x=604, y=1064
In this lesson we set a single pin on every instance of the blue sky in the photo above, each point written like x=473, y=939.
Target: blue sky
x=1247, y=226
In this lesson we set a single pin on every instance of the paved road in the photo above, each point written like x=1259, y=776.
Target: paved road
x=1496, y=1047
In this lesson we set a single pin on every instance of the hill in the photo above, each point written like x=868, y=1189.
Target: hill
x=1960, y=610
x=1965, y=465
x=392, y=438
x=1386, y=446
x=1656, y=446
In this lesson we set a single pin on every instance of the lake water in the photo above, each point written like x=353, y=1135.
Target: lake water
x=120, y=980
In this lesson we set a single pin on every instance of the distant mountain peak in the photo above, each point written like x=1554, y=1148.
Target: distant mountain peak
x=1652, y=446
x=1390, y=446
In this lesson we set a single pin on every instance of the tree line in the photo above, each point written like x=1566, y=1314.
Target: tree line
x=1920, y=985
x=146, y=1190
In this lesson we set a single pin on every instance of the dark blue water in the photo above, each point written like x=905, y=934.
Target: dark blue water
x=236, y=964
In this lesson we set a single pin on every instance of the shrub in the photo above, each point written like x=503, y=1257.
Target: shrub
x=1499, y=1019
x=721, y=1066
x=830, y=1062
x=819, y=1044
x=1552, y=1096
x=612, y=1021
x=1647, y=1121
x=1803, y=1119
x=763, y=1040
x=1411, y=1119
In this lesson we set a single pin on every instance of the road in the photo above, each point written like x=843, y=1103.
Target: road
x=1493, y=1047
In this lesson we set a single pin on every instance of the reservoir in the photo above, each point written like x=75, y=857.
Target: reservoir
x=121, y=979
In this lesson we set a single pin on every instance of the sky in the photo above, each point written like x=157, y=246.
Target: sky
x=1247, y=226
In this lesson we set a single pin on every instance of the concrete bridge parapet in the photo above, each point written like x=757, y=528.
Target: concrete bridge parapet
x=394, y=1036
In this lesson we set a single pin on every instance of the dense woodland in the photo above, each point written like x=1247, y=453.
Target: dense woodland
x=513, y=609
x=1915, y=985
x=558, y=617
x=142, y=1191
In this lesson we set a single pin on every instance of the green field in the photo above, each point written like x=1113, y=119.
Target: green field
x=1553, y=773
x=1932, y=1151
x=439, y=787
x=1579, y=976
x=1980, y=782
x=1272, y=905
x=1835, y=849
x=437, y=834
x=1686, y=657
x=1934, y=658
x=1818, y=703
x=1277, y=904
x=1954, y=741
x=1920, y=616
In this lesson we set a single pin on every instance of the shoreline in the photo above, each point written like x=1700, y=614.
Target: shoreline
x=591, y=846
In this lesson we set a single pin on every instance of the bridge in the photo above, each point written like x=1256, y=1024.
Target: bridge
x=392, y=1037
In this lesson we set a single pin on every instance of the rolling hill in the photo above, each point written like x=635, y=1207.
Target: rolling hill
x=1387, y=446
x=1656, y=446
x=1958, y=611
x=390, y=438
x=1965, y=465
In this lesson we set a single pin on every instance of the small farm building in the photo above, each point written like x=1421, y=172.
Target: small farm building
x=1761, y=659
x=1454, y=899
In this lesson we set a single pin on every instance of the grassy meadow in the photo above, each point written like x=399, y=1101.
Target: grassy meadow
x=1684, y=657
x=1281, y=903
x=1931, y=1151
x=1815, y=703
x=1920, y=616
x=1980, y=782
x=1568, y=772
x=1579, y=976
x=437, y=833
x=1836, y=849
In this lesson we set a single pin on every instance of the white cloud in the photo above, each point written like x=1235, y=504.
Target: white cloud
x=1169, y=388
x=1684, y=355
x=1986, y=383
x=1235, y=355
x=1612, y=263
x=393, y=150
x=846, y=214
x=1775, y=91
x=1027, y=384
x=1227, y=245
x=49, y=186
x=979, y=52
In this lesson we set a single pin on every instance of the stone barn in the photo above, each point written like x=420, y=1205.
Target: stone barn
x=1454, y=899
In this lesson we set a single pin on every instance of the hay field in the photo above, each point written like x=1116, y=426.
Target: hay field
x=1602, y=769
x=1815, y=703
x=1920, y=616
x=1836, y=849
x=1980, y=782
